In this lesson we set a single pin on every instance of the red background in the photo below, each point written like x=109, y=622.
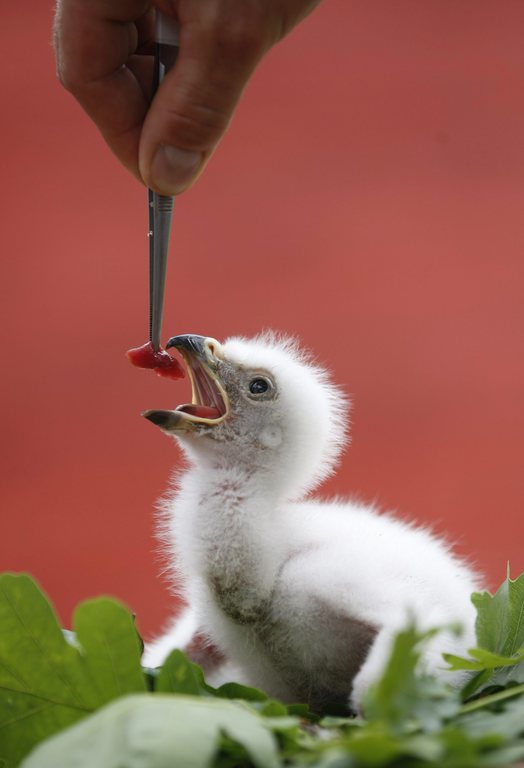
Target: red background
x=369, y=197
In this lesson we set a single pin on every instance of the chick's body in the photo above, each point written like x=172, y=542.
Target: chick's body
x=302, y=596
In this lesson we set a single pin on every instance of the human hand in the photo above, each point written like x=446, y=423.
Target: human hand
x=104, y=58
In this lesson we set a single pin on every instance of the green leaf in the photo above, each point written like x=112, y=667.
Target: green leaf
x=45, y=682
x=500, y=617
x=478, y=681
x=303, y=710
x=159, y=731
x=509, y=722
x=238, y=691
x=500, y=633
x=403, y=698
x=508, y=675
x=111, y=649
x=179, y=675
x=482, y=659
x=491, y=660
x=376, y=745
x=50, y=679
x=458, y=662
x=493, y=699
x=271, y=708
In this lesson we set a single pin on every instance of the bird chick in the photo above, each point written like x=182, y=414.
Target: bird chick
x=303, y=596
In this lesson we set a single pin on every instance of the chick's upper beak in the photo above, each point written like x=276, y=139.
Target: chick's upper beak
x=204, y=348
x=189, y=342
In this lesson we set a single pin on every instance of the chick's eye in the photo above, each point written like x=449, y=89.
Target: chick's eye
x=258, y=386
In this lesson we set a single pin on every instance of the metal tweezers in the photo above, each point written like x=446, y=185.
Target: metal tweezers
x=160, y=207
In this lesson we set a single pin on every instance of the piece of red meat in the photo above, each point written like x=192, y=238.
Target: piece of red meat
x=158, y=360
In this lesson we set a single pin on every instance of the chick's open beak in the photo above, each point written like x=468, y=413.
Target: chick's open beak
x=210, y=404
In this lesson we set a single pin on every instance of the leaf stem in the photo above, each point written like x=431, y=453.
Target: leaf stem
x=493, y=699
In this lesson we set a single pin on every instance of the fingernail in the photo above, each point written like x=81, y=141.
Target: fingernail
x=173, y=168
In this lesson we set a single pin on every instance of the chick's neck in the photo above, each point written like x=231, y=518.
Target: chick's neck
x=237, y=527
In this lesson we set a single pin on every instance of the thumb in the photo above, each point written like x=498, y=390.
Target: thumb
x=195, y=101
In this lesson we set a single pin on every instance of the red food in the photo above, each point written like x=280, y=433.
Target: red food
x=159, y=360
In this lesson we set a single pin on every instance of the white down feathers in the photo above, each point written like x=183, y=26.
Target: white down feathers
x=303, y=596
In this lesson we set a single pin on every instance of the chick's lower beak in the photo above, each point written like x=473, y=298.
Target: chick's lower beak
x=168, y=420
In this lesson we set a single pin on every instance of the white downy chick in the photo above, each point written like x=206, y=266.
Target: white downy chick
x=303, y=596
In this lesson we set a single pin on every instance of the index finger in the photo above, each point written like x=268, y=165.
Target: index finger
x=96, y=44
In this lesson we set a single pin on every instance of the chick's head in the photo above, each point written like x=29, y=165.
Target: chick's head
x=261, y=405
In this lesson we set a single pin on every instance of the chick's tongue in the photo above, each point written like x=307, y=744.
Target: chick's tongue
x=202, y=411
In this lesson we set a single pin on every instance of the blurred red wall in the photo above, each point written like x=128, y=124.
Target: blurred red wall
x=369, y=198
